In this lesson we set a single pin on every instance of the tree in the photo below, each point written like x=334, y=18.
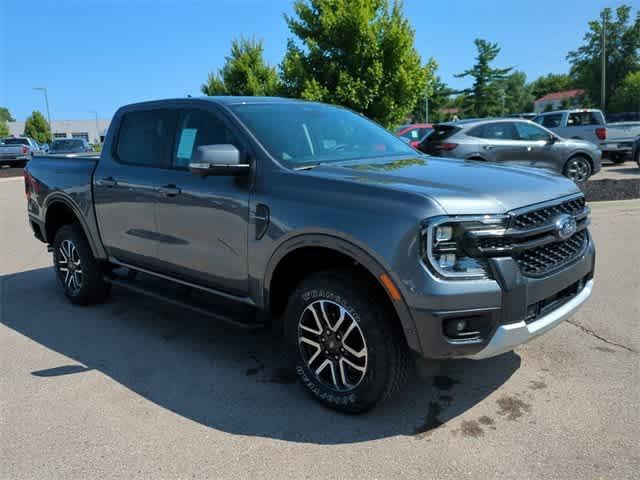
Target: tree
x=627, y=96
x=622, y=37
x=36, y=127
x=439, y=97
x=484, y=96
x=553, y=82
x=4, y=129
x=6, y=115
x=359, y=54
x=517, y=94
x=244, y=73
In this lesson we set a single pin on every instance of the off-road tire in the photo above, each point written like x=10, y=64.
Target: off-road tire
x=92, y=286
x=388, y=359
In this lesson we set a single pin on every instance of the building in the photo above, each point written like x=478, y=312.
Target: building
x=91, y=130
x=559, y=100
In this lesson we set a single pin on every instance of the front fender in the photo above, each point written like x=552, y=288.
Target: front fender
x=350, y=247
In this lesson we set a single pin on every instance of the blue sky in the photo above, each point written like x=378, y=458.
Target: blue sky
x=100, y=54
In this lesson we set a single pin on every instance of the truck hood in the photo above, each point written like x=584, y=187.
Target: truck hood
x=458, y=186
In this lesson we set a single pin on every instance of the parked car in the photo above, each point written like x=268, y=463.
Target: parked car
x=17, y=151
x=636, y=151
x=515, y=142
x=314, y=220
x=415, y=132
x=614, y=139
x=70, y=145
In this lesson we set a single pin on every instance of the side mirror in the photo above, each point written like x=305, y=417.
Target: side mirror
x=217, y=160
x=552, y=139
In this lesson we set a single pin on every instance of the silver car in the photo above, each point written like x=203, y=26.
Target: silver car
x=514, y=142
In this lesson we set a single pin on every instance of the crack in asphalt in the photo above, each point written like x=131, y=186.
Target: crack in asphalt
x=590, y=332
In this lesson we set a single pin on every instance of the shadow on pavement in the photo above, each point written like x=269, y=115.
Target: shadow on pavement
x=221, y=377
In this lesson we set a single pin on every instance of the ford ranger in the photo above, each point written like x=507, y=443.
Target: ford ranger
x=318, y=222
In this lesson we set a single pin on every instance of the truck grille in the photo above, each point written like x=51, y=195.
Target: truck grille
x=541, y=260
x=541, y=216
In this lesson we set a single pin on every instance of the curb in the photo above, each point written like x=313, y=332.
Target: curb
x=610, y=189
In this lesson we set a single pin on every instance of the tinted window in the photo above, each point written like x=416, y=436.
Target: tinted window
x=500, y=131
x=16, y=141
x=549, y=121
x=67, y=146
x=442, y=132
x=581, y=119
x=526, y=131
x=196, y=128
x=145, y=138
x=299, y=133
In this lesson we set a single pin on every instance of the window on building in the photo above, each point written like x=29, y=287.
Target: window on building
x=84, y=135
x=60, y=135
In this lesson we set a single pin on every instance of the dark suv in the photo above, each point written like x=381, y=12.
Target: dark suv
x=514, y=142
x=314, y=220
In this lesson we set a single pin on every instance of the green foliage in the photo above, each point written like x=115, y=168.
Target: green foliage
x=4, y=129
x=553, y=82
x=485, y=96
x=627, y=97
x=356, y=53
x=5, y=115
x=244, y=73
x=622, y=53
x=439, y=97
x=516, y=92
x=36, y=127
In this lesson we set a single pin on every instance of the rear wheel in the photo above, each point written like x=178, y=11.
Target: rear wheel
x=578, y=169
x=79, y=273
x=618, y=158
x=348, y=354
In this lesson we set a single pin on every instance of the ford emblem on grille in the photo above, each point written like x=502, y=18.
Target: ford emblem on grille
x=565, y=226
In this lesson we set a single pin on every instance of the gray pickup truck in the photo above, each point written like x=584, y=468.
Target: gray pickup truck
x=16, y=151
x=317, y=222
x=614, y=139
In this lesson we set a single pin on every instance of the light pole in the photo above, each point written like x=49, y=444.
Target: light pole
x=46, y=101
x=97, y=128
x=603, y=80
x=426, y=109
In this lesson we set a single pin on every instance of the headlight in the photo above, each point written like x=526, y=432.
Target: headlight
x=443, y=245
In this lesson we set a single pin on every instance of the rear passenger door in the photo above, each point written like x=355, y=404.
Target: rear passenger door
x=501, y=143
x=125, y=183
x=203, y=221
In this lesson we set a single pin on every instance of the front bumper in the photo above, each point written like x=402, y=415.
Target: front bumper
x=511, y=309
x=507, y=337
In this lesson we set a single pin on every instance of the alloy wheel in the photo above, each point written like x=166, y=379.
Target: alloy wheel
x=332, y=345
x=69, y=265
x=578, y=170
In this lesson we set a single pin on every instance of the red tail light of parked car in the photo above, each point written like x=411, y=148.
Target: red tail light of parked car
x=25, y=150
x=601, y=133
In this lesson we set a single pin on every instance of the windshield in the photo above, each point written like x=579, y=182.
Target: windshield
x=67, y=145
x=302, y=134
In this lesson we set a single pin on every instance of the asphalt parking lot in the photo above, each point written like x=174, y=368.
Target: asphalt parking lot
x=134, y=388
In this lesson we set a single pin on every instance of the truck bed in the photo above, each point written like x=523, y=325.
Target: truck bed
x=65, y=177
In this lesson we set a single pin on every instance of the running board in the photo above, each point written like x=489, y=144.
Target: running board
x=169, y=295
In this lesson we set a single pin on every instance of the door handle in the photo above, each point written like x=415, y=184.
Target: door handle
x=107, y=182
x=529, y=149
x=488, y=147
x=169, y=190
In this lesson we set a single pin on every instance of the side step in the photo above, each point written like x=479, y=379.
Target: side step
x=189, y=298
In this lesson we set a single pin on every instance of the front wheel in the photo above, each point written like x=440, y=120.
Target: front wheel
x=348, y=354
x=578, y=169
x=79, y=272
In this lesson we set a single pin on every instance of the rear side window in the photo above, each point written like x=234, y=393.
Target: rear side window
x=16, y=141
x=442, y=132
x=549, y=121
x=499, y=131
x=145, y=138
x=583, y=119
x=196, y=128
